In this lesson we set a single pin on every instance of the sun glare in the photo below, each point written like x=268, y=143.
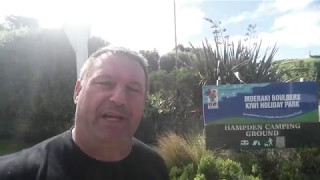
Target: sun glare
x=138, y=24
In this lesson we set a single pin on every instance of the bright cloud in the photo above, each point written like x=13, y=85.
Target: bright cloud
x=150, y=25
x=139, y=24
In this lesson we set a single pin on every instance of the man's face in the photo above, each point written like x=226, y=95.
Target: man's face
x=212, y=94
x=110, y=102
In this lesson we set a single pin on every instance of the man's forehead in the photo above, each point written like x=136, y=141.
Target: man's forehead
x=110, y=60
x=108, y=56
x=103, y=57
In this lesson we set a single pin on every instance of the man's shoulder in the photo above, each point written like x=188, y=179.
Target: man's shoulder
x=141, y=147
x=147, y=153
x=27, y=162
x=150, y=160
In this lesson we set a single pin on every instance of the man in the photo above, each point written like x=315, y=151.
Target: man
x=212, y=99
x=109, y=96
x=212, y=94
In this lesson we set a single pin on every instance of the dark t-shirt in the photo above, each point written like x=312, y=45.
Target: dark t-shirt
x=60, y=158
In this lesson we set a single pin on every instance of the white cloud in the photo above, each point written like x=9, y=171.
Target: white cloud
x=269, y=8
x=295, y=25
x=297, y=30
x=304, y=19
x=286, y=5
x=265, y=8
x=236, y=19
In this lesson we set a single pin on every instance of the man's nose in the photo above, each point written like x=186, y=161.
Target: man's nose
x=118, y=96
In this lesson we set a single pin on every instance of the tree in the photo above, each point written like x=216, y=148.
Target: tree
x=175, y=94
x=40, y=70
x=95, y=43
x=168, y=61
x=152, y=58
x=16, y=22
x=37, y=76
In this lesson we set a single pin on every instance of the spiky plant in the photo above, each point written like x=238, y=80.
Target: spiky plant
x=230, y=63
x=179, y=151
x=175, y=150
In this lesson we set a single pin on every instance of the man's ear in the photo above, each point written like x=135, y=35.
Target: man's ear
x=76, y=92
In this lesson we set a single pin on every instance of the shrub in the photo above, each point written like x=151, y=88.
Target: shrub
x=184, y=173
x=228, y=169
x=207, y=166
x=200, y=177
x=310, y=161
x=175, y=172
x=189, y=172
x=290, y=171
x=249, y=162
x=250, y=178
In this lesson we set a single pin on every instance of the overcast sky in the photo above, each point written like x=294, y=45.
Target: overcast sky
x=147, y=24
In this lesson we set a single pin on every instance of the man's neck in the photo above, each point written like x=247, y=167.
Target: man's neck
x=109, y=152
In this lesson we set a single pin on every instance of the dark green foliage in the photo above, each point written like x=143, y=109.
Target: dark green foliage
x=182, y=58
x=152, y=58
x=310, y=161
x=95, y=43
x=249, y=162
x=160, y=80
x=167, y=62
x=37, y=76
x=176, y=94
x=290, y=171
x=283, y=164
x=40, y=73
x=268, y=161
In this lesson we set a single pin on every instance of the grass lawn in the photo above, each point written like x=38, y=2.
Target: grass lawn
x=10, y=146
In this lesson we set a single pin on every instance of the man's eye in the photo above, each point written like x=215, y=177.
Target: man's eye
x=134, y=89
x=106, y=84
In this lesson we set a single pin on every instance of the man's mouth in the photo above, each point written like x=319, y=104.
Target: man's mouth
x=113, y=117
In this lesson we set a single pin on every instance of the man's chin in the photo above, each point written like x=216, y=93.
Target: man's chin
x=114, y=138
